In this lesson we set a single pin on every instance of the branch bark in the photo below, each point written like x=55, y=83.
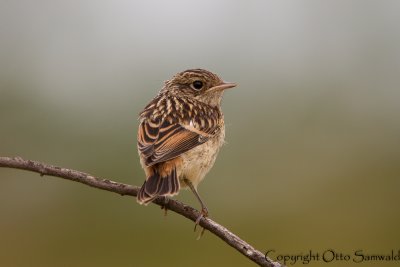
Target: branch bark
x=124, y=189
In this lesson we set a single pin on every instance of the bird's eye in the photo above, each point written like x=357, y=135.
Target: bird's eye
x=197, y=85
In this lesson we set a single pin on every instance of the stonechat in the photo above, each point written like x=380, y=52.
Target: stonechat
x=181, y=131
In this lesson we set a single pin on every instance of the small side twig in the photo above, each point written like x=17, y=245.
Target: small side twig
x=124, y=189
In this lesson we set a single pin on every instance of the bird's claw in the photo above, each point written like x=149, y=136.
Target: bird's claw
x=203, y=214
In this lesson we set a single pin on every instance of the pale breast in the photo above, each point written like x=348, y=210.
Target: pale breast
x=199, y=160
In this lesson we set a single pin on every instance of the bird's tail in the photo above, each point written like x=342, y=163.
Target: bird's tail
x=158, y=185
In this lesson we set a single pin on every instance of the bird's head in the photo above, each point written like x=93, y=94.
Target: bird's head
x=200, y=84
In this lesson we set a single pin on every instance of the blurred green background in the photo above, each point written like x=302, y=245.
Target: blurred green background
x=312, y=159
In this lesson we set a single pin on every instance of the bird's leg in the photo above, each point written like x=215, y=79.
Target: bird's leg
x=204, y=210
x=164, y=207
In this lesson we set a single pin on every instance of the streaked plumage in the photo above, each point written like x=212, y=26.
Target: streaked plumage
x=180, y=133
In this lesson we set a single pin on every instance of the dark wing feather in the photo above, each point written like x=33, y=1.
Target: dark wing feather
x=147, y=136
x=159, y=141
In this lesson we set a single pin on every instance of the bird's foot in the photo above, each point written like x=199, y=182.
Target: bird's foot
x=203, y=214
x=164, y=207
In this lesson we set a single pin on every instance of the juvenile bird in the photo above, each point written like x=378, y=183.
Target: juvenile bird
x=180, y=133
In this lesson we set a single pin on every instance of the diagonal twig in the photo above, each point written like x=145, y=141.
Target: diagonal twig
x=124, y=189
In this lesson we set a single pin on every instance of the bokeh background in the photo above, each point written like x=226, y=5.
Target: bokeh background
x=312, y=159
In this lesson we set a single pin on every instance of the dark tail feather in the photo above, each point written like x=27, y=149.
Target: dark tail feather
x=156, y=185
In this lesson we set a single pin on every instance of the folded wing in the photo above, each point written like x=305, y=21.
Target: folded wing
x=162, y=140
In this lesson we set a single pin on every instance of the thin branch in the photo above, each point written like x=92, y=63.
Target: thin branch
x=124, y=189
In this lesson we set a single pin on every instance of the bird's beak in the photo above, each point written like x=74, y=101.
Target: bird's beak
x=222, y=86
